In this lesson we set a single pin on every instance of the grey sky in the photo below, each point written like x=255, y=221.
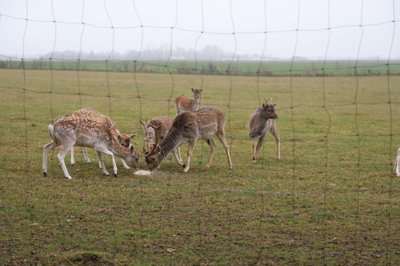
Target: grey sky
x=113, y=26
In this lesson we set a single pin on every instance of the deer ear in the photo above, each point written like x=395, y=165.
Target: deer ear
x=131, y=136
x=192, y=90
x=143, y=124
x=263, y=105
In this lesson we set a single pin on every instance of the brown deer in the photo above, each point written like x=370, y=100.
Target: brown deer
x=184, y=103
x=155, y=130
x=87, y=131
x=188, y=127
x=261, y=122
x=124, y=139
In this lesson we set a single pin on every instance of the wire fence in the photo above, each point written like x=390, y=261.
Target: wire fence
x=260, y=73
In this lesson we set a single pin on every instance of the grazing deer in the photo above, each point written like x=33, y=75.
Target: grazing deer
x=156, y=130
x=87, y=131
x=187, y=128
x=88, y=112
x=184, y=103
x=397, y=163
x=261, y=122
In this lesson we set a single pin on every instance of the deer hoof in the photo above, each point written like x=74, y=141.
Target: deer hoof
x=44, y=174
x=115, y=175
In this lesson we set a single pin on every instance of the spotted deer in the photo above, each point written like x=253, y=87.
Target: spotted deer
x=184, y=103
x=155, y=130
x=125, y=140
x=262, y=121
x=188, y=127
x=87, y=131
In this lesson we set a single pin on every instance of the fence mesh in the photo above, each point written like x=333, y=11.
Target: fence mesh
x=337, y=119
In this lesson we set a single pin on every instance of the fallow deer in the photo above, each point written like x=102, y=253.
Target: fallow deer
x=155, y=130
x=87, y=131
x=261, y=122
x=125, y=139
x=184, y=103
x=188, y=127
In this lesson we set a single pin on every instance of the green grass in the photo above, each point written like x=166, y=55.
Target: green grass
x=331, y=199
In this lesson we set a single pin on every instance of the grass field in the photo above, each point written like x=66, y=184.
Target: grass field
x=331, y=199
x=242, y=67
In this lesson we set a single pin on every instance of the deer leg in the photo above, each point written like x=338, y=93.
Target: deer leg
x=254, y=151
x=101, y=163
x=124, y=164
x=275, y=133
x=109, y=153
x=259, y=144
x=210, y=143
x=177, y=157
x=221, y=137
x=46, y=149
x=72, y=156
x=85, y=155
x=66, y=146
x=398, y=163
x=189, y=155
x=179, y=154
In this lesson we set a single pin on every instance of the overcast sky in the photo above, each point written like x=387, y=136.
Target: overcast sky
x=264, y=28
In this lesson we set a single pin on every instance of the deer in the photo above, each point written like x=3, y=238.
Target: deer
x=125, y=140
x=397, y=163
x=87, y=131
x=188, y=127
x=184, y=103
x=262, y=121
x=155, y=130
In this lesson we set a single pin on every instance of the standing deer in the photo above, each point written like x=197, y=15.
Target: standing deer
x=187, y=128
x=87, y=131
x=125, y=140
x=155, y=131
x=184, y=103
x=261, y=122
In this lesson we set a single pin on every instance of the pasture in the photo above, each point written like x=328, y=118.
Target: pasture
x=331, y=199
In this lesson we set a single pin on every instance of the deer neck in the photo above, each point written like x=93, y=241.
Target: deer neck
x=262, y=122
x=196, y=104
x=170, y=142
x=118, y=149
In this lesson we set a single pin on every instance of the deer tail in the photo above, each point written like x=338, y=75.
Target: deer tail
x=51, y=132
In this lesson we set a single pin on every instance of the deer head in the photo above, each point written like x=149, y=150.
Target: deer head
x=268, y=111
x=197, y=93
